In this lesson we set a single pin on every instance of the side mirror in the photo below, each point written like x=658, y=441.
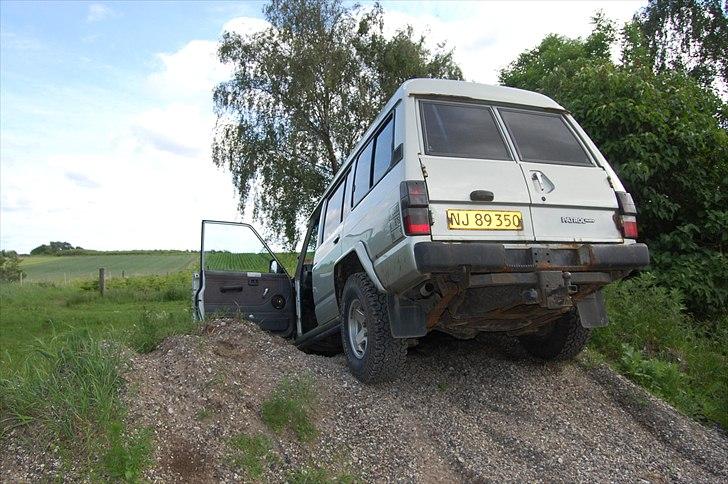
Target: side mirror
x=273, y=266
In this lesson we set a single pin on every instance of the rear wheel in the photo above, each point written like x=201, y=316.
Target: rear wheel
x=562, y=340
x=372, y=353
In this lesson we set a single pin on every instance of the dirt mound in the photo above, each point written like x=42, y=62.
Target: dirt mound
x=464, y=411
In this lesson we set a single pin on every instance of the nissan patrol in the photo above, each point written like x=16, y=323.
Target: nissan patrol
x=464, y=208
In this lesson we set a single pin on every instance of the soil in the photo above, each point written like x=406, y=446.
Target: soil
x=463, y=411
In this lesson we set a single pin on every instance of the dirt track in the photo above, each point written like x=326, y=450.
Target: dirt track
x=464, y=412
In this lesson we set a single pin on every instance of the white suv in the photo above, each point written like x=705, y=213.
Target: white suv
x=464, y=208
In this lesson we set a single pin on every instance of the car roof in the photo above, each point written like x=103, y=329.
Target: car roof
x=473, y=90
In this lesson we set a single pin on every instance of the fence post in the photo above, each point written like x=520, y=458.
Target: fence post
x=102, y=281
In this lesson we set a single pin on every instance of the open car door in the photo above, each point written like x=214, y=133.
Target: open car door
x=241, y=277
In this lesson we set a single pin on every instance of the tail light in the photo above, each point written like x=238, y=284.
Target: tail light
x=414, y=204
x=628, y=215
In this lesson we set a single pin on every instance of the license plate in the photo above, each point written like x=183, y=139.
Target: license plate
x=484, y=220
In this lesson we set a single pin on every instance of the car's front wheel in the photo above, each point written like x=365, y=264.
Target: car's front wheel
x=372, y=353
x=561, y=340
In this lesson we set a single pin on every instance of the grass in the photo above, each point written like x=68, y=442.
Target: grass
x=60, y=365
x=652, y=341
x=48, y=268
x=69, y=388
x=317, y=475
x=125, y=313
x=291, y=407
x=250, y=454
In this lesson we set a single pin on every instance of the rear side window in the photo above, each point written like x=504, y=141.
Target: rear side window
x=544, y=138
x=333, y=210
x=383, y=151
x=362, y=178
x=462, y=130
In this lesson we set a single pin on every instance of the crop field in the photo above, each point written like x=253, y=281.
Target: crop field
x=43, y=268
x=247, y=262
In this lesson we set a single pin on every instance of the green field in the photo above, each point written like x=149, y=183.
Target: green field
x=48, y=268
x=247, y=262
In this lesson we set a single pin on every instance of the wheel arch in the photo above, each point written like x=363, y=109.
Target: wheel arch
x=356, y=260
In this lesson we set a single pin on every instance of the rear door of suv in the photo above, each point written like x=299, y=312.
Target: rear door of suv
x=476, y=189
x=572, y=199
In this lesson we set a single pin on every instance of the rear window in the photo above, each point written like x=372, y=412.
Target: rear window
x=543, y=138
x=462, y=130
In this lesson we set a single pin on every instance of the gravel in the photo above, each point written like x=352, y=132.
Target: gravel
x=464, y=411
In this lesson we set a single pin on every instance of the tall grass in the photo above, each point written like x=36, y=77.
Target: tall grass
x=69, y=388
x=653, y=341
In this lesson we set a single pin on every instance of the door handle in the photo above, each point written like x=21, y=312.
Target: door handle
x=336, y=239
x=238, y=288
x=537, y=176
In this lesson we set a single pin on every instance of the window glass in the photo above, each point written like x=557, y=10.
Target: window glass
x=383, y=151
x=333, y=211
x=233, y=247
x=462, y=130
x=347, y=194
x=312, y=242
x=362, y=178
x=544, y=138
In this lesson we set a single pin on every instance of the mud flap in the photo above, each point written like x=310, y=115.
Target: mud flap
x=406, y=317
x=592, y=312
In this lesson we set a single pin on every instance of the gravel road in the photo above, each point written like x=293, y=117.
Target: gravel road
x=465, y=411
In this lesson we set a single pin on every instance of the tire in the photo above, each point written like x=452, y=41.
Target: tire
x=376, y=356
x=565, y=339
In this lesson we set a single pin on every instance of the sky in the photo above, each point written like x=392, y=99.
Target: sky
x=106, y=115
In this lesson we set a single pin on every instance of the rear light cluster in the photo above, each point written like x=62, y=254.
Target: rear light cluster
x=414, y=203
x=628, y=215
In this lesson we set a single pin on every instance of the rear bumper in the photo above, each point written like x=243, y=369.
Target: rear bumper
x=485, y=257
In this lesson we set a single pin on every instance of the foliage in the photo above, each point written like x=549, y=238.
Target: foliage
x=69, y=388
x=302, y=93
x=290, y=406
x=665, y=136
x=10, y=266
x=653, y=342
x=250, y=453
x=53, y=248
x=689, y=36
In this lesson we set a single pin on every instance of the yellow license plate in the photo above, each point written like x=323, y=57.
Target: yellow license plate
x=484, y=220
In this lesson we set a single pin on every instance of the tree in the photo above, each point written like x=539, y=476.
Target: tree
x=52, y=248
x=689, y=36
x=303, y=91
x=10, y=266
x=664, y=134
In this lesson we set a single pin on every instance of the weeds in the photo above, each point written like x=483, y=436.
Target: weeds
x=290, y=406
x=152, y=328
x=653, y=341
x=250, y=453
x=69, y=389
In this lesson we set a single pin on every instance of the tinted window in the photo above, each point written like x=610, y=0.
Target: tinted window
x=362, y=178
x=333, y=211
x=383, y=151
x=462, y=130
x=544, y=137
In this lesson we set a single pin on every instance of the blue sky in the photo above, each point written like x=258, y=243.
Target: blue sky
x=106, y=113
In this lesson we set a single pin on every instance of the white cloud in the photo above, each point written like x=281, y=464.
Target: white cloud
x=486, y=36
x=98, y=12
